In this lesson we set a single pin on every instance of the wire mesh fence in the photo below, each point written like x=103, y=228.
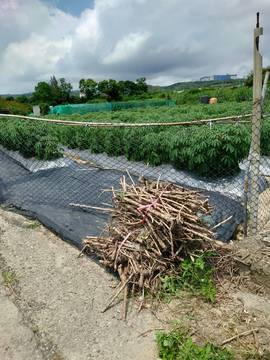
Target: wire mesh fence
x=62, y=172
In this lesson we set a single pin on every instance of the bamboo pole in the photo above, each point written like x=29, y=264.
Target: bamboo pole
x=256, y=131
x=235, y=118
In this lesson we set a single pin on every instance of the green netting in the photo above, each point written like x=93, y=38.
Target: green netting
x=113, y=106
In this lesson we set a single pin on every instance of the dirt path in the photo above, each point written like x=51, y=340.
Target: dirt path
x=51, y=302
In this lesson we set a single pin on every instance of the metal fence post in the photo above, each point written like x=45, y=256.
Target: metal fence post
x=256, y=132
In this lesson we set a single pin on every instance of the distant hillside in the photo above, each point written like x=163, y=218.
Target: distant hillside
x=197, y=84
x=15, y=95
x=73, y=92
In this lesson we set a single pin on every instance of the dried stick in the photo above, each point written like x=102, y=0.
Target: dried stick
x=118, y=292
x=92, y=207
x=222, y=222
x=246, y=333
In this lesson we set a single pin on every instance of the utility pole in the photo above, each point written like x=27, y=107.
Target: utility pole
x=256, y=130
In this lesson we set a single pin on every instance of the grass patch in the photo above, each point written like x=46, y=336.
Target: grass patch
x=195, y=275
x=34, y=225
x=178, y=345
x=9, y=278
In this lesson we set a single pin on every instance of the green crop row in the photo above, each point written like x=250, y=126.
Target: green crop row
x=199, y=149
x=30, y=139
x=209, y=152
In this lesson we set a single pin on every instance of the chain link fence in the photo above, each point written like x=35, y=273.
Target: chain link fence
x=62, y=172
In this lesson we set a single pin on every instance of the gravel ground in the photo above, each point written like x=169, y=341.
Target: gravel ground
x=51, y=302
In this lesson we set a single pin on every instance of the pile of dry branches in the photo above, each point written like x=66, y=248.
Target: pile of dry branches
x=155, y=225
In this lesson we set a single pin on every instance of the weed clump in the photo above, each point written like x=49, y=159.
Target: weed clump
x=195, y=275
x=178, y=345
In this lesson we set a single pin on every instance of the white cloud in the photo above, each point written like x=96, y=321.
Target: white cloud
x=164, y=40
x=127, y=47
x=37, y=56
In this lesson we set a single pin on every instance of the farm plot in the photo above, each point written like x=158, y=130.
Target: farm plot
x=91, y=160
x=207, y=152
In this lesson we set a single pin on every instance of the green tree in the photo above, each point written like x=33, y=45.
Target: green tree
x=249, y=79
x=88, y=87
x=55, y=90
x=22, y=99
x=142, y=87
x=111, y=89
x=53, y=93
x=43, y=93
x=10, y=98
x=128, y=88
x=65, y=90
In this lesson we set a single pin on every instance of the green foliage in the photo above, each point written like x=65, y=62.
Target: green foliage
x=89, y=88
x=43, y=93
x=210, y=153
x=226, y=94
x=52, y=93
x=65, y=90
x=46, y=148
x=178, y=345
x=9, y=277
x=207, y=151
x=44, y=108
x=22, y=99
x=265, y=136
x=111, y=89
x=14, y=107
x=195, y=275
x=29, y=139
x=249, y=79
x=33, y=225
x=10, y=98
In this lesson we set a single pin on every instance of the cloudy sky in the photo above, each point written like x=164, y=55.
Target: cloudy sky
x=164, y=40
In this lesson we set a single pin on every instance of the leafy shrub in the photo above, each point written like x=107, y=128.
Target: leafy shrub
x=44, y=108
x=14, y=107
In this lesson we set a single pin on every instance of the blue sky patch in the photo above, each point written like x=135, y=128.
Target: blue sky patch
x=74, y=7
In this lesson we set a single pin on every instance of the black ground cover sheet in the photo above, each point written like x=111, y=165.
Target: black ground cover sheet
x=46, y=195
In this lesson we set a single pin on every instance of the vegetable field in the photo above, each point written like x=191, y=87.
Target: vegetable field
x=207, y=151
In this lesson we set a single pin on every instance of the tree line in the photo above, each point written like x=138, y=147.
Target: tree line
x=57, y=92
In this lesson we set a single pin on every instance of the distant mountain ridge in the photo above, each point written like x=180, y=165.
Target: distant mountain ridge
x=185, y=85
